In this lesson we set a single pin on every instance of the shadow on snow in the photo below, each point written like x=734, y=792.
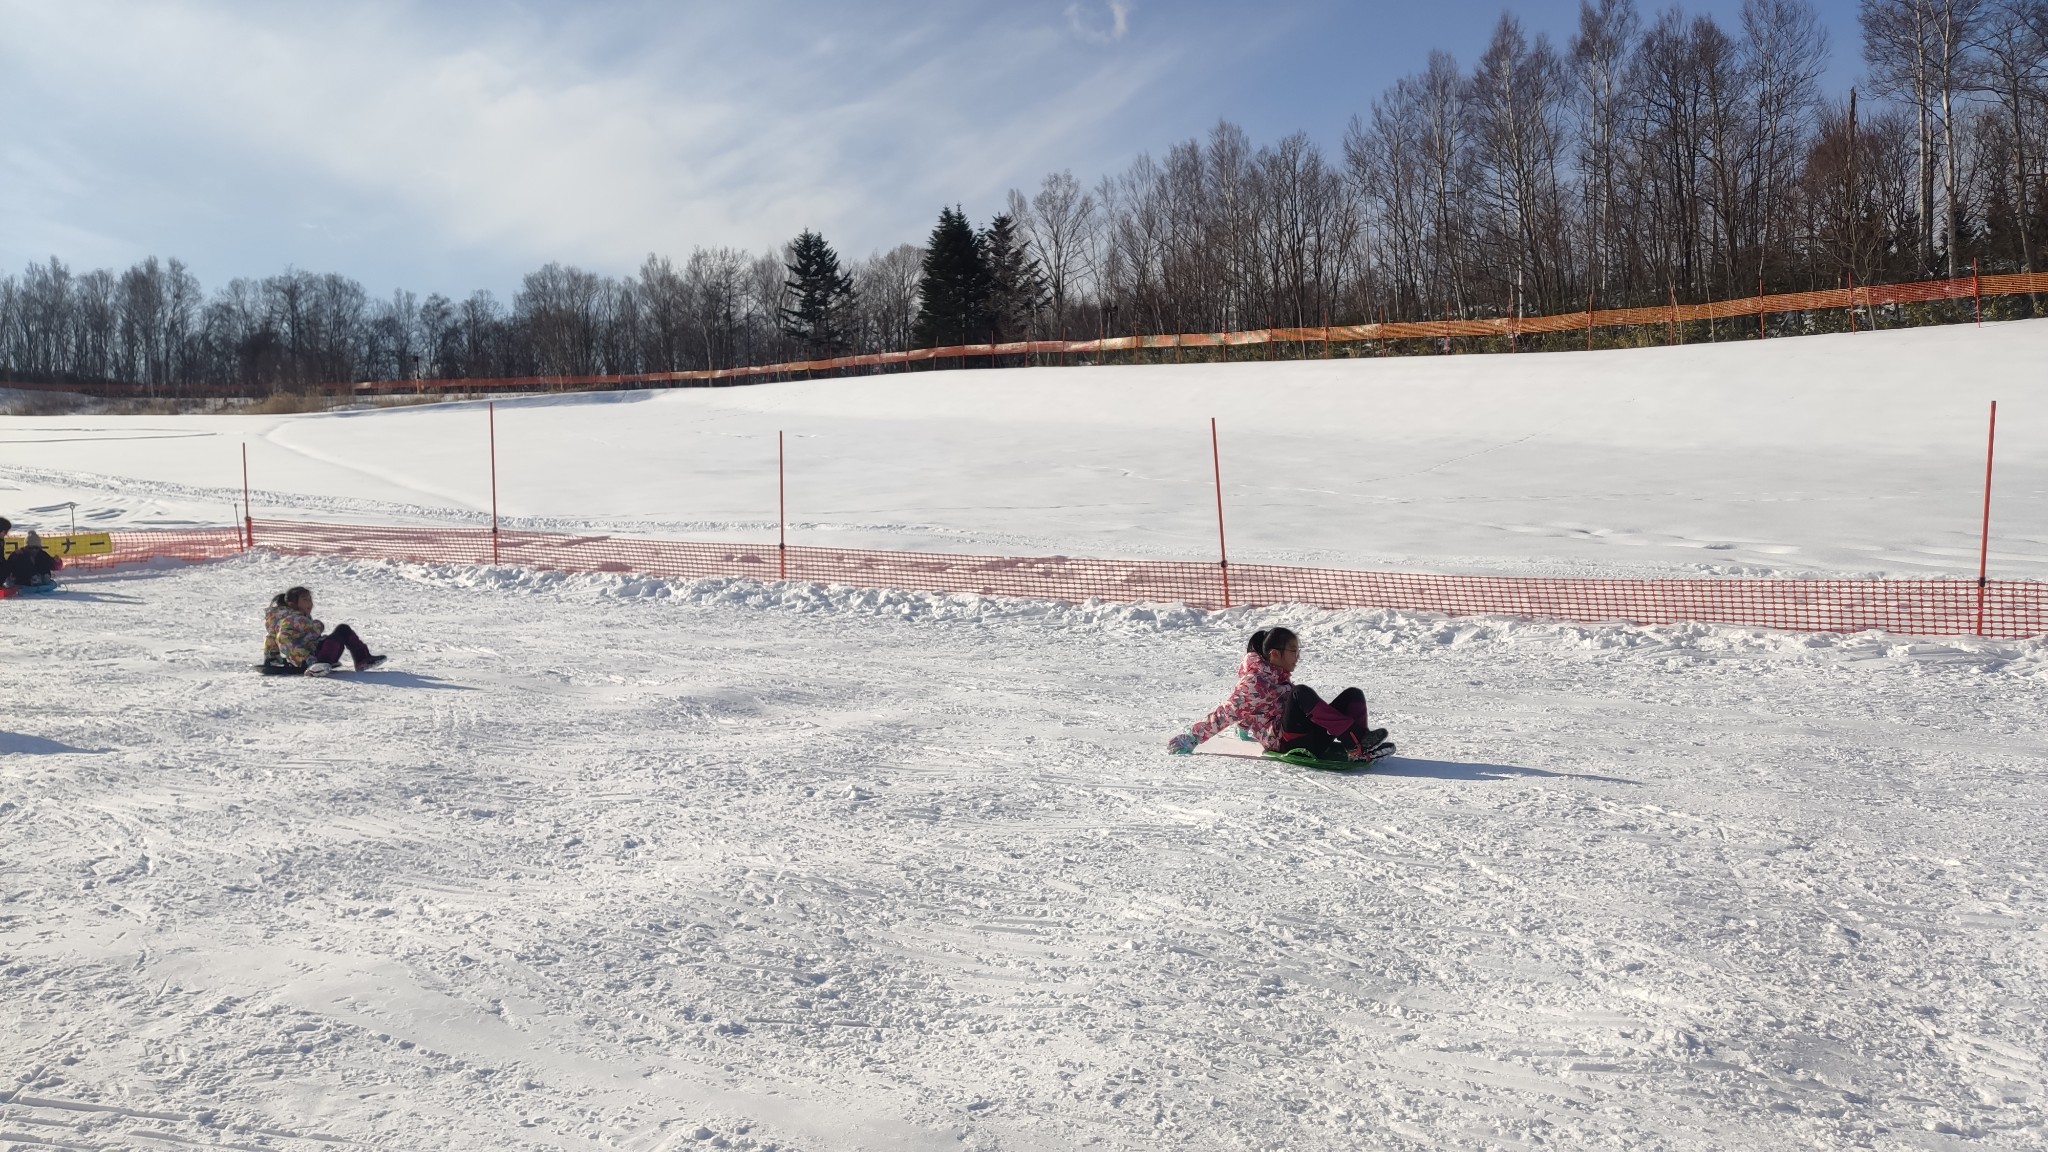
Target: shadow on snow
x=1398, y=765
x=391, y=678
x=21, y=744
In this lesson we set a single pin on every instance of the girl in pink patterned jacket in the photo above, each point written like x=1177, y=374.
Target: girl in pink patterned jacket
x=295, y=643
x=1282, y=715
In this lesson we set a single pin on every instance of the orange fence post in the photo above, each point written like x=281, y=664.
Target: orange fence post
x=491, y=412
x=1671, y=331
x=1222, y=549
x=1852, y=299
x=1589, y=317
x=1984, y=537
x=1976, y=292
x=248, y=519
x=781, y=516
x=1760, y=308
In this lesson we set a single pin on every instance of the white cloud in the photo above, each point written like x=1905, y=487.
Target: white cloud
x=1105, y=26
x=388, y=140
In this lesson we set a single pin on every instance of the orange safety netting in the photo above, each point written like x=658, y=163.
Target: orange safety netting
x=2009, y=608
x=163, y=544
x=1862, y=297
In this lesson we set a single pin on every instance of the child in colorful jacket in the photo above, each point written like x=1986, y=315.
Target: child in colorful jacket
x=294, y=641
x=1282, y=715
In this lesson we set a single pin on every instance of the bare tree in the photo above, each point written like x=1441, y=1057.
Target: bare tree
x=94, y=324
x=2014, y=71
x=1517, y=99
x=1784, y=50
x=393, y=351
x=716, y=279
x=1387, y=171
x=766, y=277
x=1440, y=101
x=1921, y=51
x=1729, y=145
x=1598, y=56
x=481, y=320
x=1308, y=230
x=1060, y=221
x=437, y=328
x=558, y=308
x=667, y=318
x=1956, y=26
x=885, y=287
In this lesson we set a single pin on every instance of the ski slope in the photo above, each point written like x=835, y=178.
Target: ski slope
x=1857, y=454
x=608, y=862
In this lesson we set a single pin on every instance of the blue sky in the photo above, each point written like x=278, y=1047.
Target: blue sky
x=455, y=145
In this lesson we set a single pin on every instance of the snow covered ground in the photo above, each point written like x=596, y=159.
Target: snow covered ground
x=608, y=862
x=1857, y=454
x=611, y=862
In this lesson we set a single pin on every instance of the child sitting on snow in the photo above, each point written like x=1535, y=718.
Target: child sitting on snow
x=31, y=565
x=293, y=640
x=1282, y=715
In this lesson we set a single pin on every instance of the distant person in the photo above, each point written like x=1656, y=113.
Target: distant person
x=294, y=642
x=32, y=566
x=1284, y=716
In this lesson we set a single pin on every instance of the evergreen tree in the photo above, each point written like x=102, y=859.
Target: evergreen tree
x=1016, y=285
x=953, y=298
x=815, y=296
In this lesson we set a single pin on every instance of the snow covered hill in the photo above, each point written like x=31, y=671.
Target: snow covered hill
x=1849, y=454
x=608, y=862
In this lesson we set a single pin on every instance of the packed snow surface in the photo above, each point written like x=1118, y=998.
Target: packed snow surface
x=615, y=862
x=1851, y=454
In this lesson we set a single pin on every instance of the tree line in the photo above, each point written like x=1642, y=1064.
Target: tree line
x=1644, y=158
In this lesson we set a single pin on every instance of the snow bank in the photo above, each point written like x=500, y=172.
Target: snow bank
x=1389, y=629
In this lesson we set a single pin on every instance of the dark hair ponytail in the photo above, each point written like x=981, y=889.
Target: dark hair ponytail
x=289, y=596
x=1267, y=639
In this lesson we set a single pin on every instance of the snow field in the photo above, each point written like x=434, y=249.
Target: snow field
x=1835, y=455
x=607, y=862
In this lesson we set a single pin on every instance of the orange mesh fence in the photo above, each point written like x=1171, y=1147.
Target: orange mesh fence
x=163, y=544
x=2009, y=608
x=2012, y=608
x=1862, y=296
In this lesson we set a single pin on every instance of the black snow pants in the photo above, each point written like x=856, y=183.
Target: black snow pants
x=1327, y=731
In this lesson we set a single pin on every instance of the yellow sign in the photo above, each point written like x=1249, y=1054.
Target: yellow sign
x=81, y=544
